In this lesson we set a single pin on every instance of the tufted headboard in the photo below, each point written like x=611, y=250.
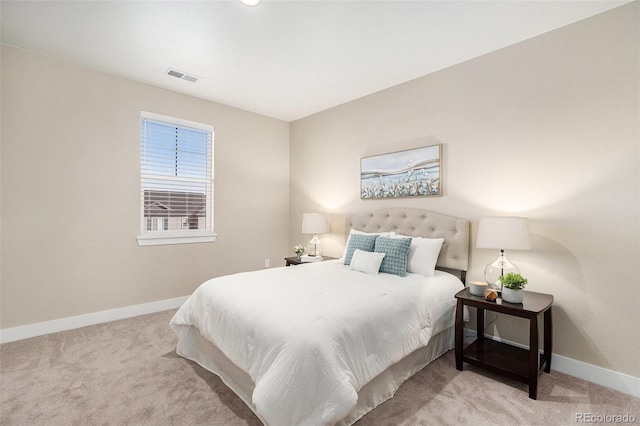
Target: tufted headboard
x=421, y=223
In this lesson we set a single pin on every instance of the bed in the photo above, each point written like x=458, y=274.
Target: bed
x=325, y=343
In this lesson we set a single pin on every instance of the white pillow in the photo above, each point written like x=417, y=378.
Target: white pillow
x=355, y=231
x=366, y=261
x=423, y=254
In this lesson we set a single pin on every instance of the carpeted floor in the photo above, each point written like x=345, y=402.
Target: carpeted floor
x=127, y=373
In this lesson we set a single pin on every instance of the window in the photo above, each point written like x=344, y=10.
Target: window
x=176, y=181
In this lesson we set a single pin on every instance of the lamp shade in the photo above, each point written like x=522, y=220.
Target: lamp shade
x=504, y=233
x=314, y=223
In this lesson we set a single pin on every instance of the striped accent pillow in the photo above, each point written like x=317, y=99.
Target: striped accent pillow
x=397, y=253
x=359, y=242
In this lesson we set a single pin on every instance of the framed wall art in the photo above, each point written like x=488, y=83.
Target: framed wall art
x=410, y=173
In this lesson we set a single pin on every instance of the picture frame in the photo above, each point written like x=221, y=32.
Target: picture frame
x=409, y=173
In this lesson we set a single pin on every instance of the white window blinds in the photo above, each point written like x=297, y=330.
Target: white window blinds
x=176, y=180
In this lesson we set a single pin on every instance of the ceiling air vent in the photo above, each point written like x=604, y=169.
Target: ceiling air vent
x=182, y=75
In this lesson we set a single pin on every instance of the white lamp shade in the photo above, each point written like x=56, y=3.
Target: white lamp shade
x=504, y=233
x=314, y=223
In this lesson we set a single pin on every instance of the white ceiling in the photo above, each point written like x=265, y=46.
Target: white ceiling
x=283, y=59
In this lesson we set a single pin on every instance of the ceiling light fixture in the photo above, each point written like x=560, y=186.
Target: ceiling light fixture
x=250, y=2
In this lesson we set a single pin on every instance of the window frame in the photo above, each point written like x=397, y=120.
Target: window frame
x=178, y=236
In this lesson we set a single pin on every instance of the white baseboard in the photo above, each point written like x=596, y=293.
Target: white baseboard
x=601, y=376
x=591, y=373
x=69, y=323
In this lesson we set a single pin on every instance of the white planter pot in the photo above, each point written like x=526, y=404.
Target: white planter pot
x=512, y=296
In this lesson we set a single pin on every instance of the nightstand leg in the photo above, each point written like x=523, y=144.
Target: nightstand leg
x=533, y=357
x=548, y=339
x=459, y=330
x=480, y=324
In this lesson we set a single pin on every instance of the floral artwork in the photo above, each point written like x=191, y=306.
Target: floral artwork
x=411, y=173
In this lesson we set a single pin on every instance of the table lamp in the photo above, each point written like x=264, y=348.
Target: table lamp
x=502, y=233
x=314, y=223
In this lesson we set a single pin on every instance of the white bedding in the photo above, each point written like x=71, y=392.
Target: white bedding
x=311, y=336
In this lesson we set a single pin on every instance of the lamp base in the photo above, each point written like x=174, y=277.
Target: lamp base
x=314, y=250
x=499, y=267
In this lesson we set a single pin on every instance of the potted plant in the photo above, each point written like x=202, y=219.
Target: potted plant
x=298, y=250
x=512, y=284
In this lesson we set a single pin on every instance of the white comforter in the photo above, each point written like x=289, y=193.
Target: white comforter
x=311, y=336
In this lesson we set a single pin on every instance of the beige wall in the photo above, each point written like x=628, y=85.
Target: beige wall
x=547, y=129
x=70, y=192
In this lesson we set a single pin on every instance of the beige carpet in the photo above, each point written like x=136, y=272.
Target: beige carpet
x=127, y=373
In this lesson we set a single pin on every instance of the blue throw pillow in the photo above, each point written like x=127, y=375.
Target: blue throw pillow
x=359, y=242
x=397, y=253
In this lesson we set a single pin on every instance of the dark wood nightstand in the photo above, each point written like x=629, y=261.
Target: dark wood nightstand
x=295, y=261
x=516, y=363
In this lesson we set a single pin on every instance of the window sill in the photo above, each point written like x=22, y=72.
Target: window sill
x=158, y=240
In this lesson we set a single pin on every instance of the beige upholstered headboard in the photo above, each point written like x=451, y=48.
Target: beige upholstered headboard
x=421, y=223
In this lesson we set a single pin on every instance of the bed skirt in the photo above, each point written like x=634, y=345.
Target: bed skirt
x=194, y=347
